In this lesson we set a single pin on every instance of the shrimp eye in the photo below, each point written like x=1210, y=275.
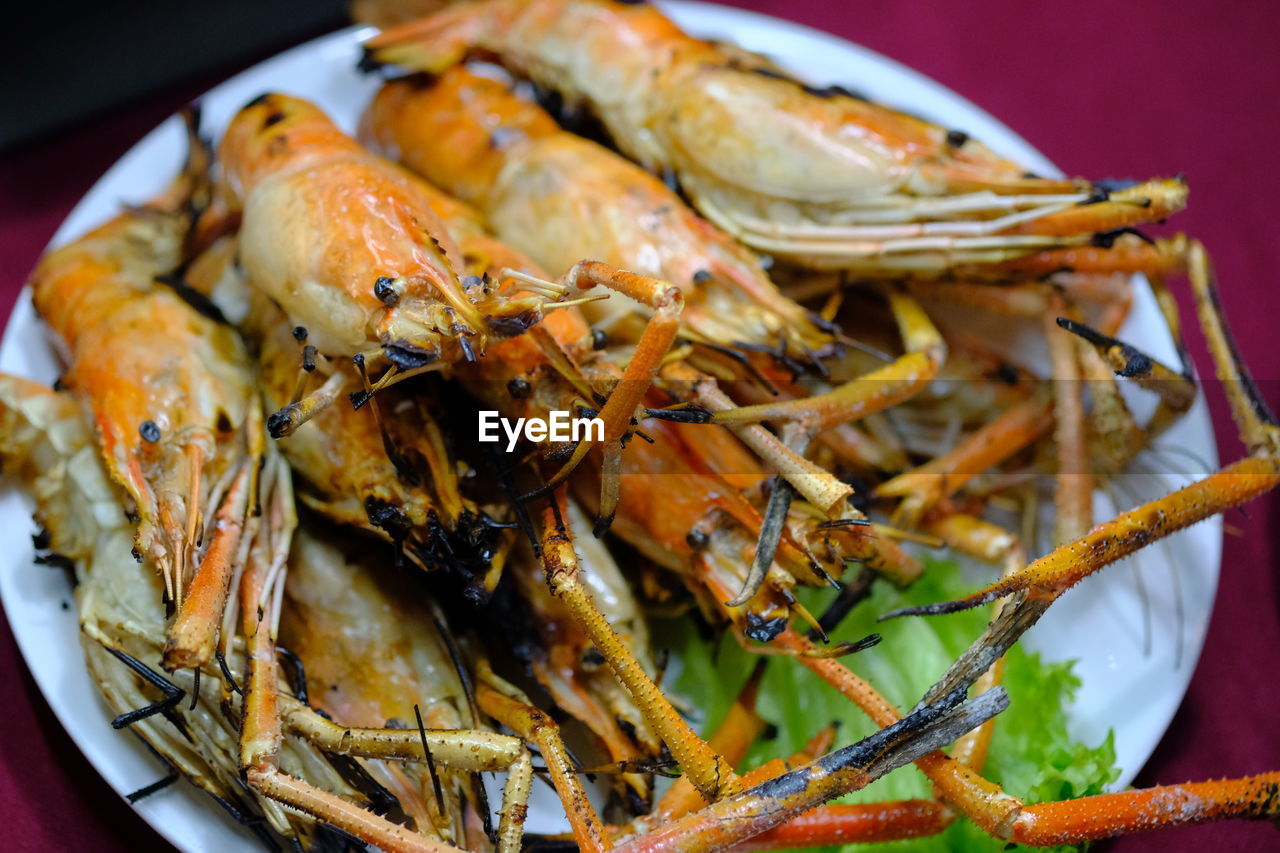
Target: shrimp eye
x=385, y=289
x=519, y=388
x=149, y=431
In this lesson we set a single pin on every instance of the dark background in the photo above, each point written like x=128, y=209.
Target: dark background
x=1104, y=89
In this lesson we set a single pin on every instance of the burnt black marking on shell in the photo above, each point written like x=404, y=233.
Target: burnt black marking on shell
x=764, y=630
x=835, y=91
x=203, y=305
x=1107, y=239
x=261, y=99
x=686, y=415
x=786, y=785
x=368, y=62
x=515, y=324
x=54, y=560
x=389, y=518
x=773, y=74
x=1112, y=185
x=275, y=118
x=407, y=356
x=1256, y=401
x=279, y=423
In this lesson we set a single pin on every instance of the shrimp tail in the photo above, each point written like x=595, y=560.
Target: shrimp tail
x=191, y=192
x=431, y=44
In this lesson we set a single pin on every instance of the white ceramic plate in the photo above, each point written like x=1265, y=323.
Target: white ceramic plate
x=1101, y=624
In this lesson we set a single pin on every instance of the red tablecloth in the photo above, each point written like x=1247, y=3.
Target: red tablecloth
x=1104, y=89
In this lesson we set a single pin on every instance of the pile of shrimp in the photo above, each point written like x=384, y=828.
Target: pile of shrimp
x=305, y=583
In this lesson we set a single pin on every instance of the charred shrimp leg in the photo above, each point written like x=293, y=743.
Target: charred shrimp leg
x=736, y=814
x=262, y=730
x=590, y=693
x=817, y=175
x=171, y=394
x=772, y=803
x=709, y=772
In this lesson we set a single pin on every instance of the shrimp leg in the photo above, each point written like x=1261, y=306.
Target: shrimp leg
x=1038, y=585
x=873, y=392
x=621, y=408
x=708, y=771
x=266, y=714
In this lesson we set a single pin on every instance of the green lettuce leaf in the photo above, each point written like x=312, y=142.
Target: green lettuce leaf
x=1031, y=754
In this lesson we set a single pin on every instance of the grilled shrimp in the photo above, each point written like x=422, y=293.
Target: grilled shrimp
x=171, y=390
x=388, y=472
x=373, y=657
x=237, y=720
x=817, y=175
x=559, y=197
x=346, y=243
x=46, y=441
x=568, y=665
x=382, y=466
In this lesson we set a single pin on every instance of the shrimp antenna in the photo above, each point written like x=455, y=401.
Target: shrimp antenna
x=172, y=694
